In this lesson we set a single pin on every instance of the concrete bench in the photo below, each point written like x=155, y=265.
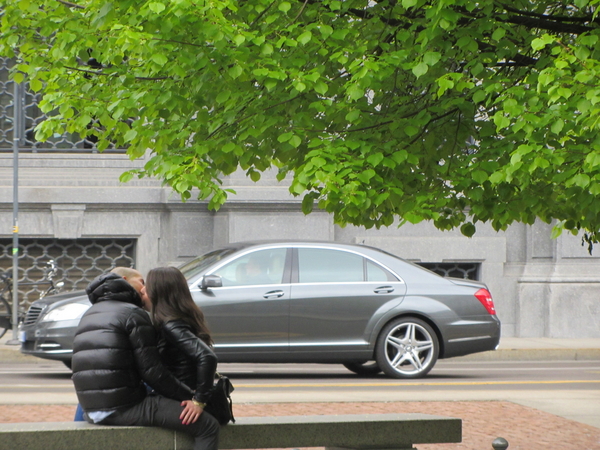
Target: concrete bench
x=369, y=431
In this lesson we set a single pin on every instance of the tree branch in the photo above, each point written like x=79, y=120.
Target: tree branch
x=96, y=72
x=543, y=24
x=70, y=5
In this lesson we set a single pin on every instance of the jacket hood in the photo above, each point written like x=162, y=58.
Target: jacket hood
x=110, y=286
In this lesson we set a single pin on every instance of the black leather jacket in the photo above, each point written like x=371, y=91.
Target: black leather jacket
x=115, y=350
x=188, y=357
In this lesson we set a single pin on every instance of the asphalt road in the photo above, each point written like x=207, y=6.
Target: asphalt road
x=569, y=389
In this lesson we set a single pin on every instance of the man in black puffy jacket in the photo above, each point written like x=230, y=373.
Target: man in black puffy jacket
x=115, y=357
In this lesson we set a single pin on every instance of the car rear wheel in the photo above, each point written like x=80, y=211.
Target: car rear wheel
x=364, y=368
x=407, y=348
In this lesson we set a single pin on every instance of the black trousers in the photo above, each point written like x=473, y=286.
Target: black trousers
x=158, y=411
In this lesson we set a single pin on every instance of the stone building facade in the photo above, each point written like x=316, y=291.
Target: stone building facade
x=542, y=287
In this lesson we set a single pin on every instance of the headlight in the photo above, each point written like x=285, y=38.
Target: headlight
x=71, y=311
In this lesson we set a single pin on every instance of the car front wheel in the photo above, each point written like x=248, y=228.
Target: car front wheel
x=407, y=348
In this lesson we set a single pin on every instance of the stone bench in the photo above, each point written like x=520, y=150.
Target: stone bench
x=369, y=431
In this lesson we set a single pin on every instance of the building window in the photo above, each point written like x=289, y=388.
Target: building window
x=78, y=262
x=30, y=116
x=465, y=270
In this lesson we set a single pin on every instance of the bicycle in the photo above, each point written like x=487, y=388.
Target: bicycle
x=6, y=317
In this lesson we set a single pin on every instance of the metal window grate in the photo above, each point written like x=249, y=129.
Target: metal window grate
x=31, y=116
x=466, y=270
x=78, y=261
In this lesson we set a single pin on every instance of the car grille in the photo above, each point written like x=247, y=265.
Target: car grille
x=32, y=315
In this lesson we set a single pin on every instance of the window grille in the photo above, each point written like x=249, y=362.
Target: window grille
x=465, y=270
x=78, y=262
x=31, y=116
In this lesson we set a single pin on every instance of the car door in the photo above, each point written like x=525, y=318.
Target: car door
x=248, y=315
x=336, y=297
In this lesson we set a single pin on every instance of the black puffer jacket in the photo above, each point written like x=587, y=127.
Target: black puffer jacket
x=188, y=357
x=115, y=350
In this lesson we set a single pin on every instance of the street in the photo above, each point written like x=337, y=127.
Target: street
x=570, y=389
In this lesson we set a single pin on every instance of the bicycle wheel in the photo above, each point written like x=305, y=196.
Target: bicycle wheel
x=5, y=316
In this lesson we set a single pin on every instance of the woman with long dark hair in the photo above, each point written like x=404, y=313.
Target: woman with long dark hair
x=185, y=343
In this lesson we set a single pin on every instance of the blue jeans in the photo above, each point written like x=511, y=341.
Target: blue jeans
x=79, y=414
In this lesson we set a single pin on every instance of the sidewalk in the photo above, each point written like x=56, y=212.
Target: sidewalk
x=524, y=427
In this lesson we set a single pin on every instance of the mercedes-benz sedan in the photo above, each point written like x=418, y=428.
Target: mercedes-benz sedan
x=311, y=302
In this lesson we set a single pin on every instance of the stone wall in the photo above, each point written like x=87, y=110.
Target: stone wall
x=541, y=287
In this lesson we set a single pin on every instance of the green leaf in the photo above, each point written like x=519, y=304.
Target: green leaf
x=126, y=176
x=410, y=130
x=375, y=159
x=160, y=59
x=582, y=180
x=321, y=87
x=409, y=3
x=239, y=39
x=130, y=135
x=326, y=30
x=156, y=7
x=285, y=137
x=431, y=58
x=480, y=176
x=468, y=229
x=305, y=37
x=255, y=176
x=35, y=85
x=223, y=96
x=557, y=126
x=295, y=141
x=284, y=6
x=18, y=77
x=420, y=69
x=235, y=71
x=355, y=92
x=353, y=115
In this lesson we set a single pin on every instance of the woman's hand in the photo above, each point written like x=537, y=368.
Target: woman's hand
x=191, y=412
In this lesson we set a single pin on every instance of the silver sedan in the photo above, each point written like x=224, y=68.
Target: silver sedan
x=317, y=302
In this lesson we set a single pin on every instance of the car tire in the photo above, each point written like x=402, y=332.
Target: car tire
x=365, y=368
x=407, y=348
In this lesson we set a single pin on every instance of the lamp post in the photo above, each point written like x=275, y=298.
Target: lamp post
x=15, y=246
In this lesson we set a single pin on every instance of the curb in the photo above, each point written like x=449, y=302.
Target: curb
x=535, y=354
x=14, y=356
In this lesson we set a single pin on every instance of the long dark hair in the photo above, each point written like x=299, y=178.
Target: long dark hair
x=171, y=299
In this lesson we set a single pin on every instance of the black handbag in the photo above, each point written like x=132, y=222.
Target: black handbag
x=219, y=404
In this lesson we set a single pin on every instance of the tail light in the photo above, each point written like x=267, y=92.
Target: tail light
x=484, y=296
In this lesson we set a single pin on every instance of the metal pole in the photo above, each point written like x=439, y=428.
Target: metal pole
x=15, y=249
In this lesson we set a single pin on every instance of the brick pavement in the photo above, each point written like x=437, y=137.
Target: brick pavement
x=483, y=421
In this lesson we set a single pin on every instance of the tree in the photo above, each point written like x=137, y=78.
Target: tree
x=452, y=111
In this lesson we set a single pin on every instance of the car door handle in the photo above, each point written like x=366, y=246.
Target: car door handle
x=276, y=294
x=384, y=290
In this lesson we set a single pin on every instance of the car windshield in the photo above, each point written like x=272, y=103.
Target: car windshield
x=198, y=265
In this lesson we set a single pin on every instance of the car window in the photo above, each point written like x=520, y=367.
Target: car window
x=317, y=265
x=260, y=267
x=200, y=264
x=378, y=273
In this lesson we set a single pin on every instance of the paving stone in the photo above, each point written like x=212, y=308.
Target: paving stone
x=483, y=421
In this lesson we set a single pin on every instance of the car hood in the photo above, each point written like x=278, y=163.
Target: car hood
x=61, y=299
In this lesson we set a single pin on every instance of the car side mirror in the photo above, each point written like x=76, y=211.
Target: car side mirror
x=211, y=281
